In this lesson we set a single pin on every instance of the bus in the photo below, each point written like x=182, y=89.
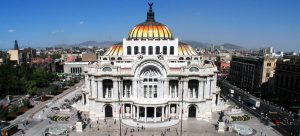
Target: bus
x=10, y=130
x=254, y=102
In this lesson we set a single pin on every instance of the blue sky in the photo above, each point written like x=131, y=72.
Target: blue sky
x=249, y=23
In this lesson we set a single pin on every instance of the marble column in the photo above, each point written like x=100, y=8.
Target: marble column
x=200, y=90
x=163, y=113
x=145, y=114
x=100, y=89
x=194, y=93
x=154, y=114
x=138, y=113
x=115, y=89
x=165, y=93
x=123, y=110
x=131, y=111
x=134, y=112
x=185, y=88
x=97, y=89
x=134, y=88
x=169, y=110
x=180, y=89
x=175, y=89
x=177, y=110
x=170, y=92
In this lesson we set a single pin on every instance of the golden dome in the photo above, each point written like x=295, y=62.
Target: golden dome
x=150, y=29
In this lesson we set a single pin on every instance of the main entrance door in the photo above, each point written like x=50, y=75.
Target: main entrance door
x=192, y=111
x=108, y=111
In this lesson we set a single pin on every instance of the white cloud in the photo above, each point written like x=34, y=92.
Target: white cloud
x=11, y=30
x=58, y=31
x=81, y=22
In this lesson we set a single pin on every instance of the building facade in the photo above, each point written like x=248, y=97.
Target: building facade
x=249, y=73
x=287, y=83
x=150, y=77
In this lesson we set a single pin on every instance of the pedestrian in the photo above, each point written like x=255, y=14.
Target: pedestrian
x=138, y=130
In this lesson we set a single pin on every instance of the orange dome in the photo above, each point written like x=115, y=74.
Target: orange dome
x=150, y=29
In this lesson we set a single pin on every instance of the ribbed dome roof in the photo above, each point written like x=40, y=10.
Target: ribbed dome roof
x=150, y=29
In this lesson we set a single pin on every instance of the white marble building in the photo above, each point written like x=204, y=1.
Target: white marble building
x=145, y=77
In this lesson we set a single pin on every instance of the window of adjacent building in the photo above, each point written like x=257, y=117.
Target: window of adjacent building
x=268, y=75
x=172, y=50
x=143, y=50
x=165, y=50
x=128, y=50
x=150, y=50
x=268, y=64
x=136, y=50
x=157, y=50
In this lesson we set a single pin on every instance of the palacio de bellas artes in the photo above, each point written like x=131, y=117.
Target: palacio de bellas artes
x=151, y=77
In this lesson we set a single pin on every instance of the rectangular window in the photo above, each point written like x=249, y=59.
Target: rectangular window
x=145, y=91
x=155, y=91
x=165, y=50
x=150, y=91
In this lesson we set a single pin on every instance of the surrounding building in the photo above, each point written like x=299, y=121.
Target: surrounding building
x=223, y=67
x=150, y=77
x=249, y=73
x=75, y=67
x=287, y=82
x=89, y=57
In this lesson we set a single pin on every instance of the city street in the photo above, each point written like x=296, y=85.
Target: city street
x=266, y=112
x=37, y=117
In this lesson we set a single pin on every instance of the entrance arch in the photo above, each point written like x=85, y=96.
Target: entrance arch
x=108, y=111
x=192, y=111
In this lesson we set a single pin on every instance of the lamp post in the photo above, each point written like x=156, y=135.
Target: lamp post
x=120, y=126
x=181, y=112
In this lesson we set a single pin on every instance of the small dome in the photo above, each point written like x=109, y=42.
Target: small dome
x=150, y=29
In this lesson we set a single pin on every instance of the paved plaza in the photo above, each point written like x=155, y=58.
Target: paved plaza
x=191, y=127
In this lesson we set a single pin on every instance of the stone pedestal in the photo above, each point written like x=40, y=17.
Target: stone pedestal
x=221, y=127
x=78, y=126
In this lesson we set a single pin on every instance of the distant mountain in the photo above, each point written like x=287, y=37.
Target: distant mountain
x=196, y=44
x=230, y=46
x=103, y=44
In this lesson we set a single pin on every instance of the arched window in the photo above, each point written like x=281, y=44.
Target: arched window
x=143, y=50
x=112, y=58
x=188, y=58
x=106, y=69
x=172, y=50
x=119, y=58
x=128, y=50
x=165, y=50
x=194, y=69
x=136, y=50
x=181, y=58
x=150, y=50
x=157, y=50
x=104, y=58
